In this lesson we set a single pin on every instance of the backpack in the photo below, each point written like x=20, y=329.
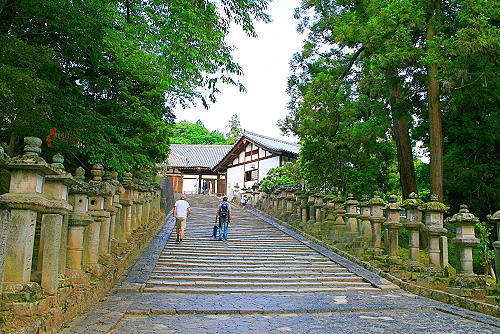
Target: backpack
x=224, y=209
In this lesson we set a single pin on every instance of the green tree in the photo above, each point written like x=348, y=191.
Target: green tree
x=235, y=130
x=189, y=133
x=98, y=79
x=288, y=175
x=413, y=62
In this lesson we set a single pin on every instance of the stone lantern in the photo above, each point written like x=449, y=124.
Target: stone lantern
x=290, y=200
x=25, y=201
x=495, y=218
x=236, y=192
x=112, y=205
x=318, y=207
x=95, y=230
x=413, y=224
x=126, y=200
x=78, y=222
x=312, y=211
x=54, y=231
x=304, y=196
x=364, y=238
x=297, y=216
x=339, y=226
x=433, y=220
x=329, y=212
x=466, y=283
x=392, y=224
x=376, y=218
x=351, y=220
x=465, y=240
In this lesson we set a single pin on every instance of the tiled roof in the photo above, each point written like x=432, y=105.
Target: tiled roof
x=272, y=143
x=190, y=156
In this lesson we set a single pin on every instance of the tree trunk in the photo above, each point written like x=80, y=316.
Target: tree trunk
x=400, y=121
x=435, y=127
x=405, y=157
x=14, y=148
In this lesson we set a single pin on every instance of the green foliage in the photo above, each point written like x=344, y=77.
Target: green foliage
x=288, y=175
x=366, y=64
x=484, y=255
x=235, y=130
x=189, y=133
x=99, y=80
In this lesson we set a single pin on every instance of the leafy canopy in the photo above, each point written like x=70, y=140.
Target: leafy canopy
x=99, y=80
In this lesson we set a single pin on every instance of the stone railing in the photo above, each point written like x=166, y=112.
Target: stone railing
x=61, y=234
x=368, y=230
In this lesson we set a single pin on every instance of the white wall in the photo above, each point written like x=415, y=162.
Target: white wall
x=266, y=165
x=235, y=175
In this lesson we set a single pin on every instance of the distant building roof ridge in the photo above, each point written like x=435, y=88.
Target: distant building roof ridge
x=245, y=132
x=196, y=155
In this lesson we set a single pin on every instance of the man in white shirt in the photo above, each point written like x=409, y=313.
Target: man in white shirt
x=181, y=211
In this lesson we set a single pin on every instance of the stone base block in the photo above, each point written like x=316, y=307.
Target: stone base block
x=494, y=300
x=77, y=277
x=22, y=292
x=96, y=269
x=471, y=293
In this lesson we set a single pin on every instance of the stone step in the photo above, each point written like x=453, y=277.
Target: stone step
x=257, y=258
x=269, y=273
x=267, y=289
x=230, y=283
x=324, y=280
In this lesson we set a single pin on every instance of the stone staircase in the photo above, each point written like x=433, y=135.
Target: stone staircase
x=256, y=258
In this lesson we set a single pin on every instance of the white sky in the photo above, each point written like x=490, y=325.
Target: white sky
x=265, y=62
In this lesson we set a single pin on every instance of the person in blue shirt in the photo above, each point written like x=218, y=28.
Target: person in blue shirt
x=223, y=217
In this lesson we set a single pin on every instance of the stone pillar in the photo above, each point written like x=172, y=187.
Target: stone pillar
x=78, y=221
x=54, y=231
x=4, y=226
x=117, y=225
x=465, y=240
x=317, y=226
x=304, y=207
x=376, y=219
x=392, y=224
x=297, y=217
x=290, y=199
x=495, y=218
x=108, y=226
x=364, y=238
x=339, y=226
x=4, y=234
x=126, y=200
x=145, y=209
x=312, y=211
x=318, y=207
x=329, y=215
x=413, y=224
x=24, y=201
x=139, y=206
x=433, y=221
x=133, y=212
x=465, y=283
x=101, y=217
x=351, y=220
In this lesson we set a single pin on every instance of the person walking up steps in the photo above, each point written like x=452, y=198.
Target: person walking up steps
x=181, y=211
x=223, y=216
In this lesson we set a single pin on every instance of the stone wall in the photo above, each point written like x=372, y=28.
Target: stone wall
x=66, y=239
